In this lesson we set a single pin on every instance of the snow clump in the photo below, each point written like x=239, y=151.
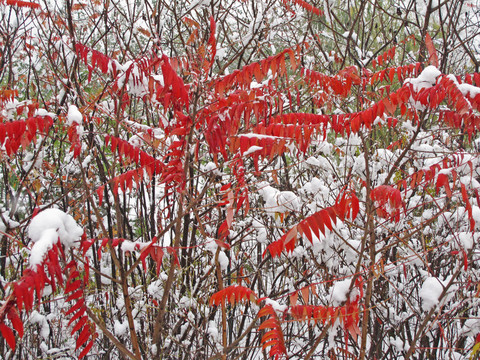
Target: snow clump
x=430, y=292
x=426, y=79
x=74, y=115
x=49, y=226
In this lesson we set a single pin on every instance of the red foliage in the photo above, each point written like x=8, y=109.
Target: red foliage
x=340, y=85
x=388, y=201
x=316, y=224
x=233, y=294
x=303, y=4
x=242, y=78
x=274, y=337
x=26, y=4
x=18, y=133
x=32, y=283
x=433, y=57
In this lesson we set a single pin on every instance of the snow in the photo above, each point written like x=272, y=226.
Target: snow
x=74, y=116
x=430, y=292
x=43, y=112
x=276, y=305
x=133, y=245
x=471, y=327
x=223, y=260
x=339, y=292
x=49, y=226
x=120, y=328
x=41, y=320
x=261, y=231
x=277, y=201
x=210, y=167
x=476, y=216
x=155, y=289
x=319, y=161
x=42, y=246
x=255, y=85
x=212, y=331
x=426, y=79
x=252, y=149
x=466, y=240
x=469, y=90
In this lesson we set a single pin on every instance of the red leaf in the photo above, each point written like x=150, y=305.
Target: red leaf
x=76, y=307
x=83, y=337
x=100, y=192
x=223, y=244
x=384, y=195
x=16, y=321
x=72, y=286
x=77, y=316
x=79, y=325
x=442, y=180
x=433, y=57
x=76, y=295
x=274, y=337
x=8, y=335
x=86, y=350
x=355, y=206
x=211, y=39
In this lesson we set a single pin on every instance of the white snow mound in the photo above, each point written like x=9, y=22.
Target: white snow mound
x=49, y=226
x=430, y=293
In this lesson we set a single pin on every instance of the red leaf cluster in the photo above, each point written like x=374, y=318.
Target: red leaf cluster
x=303, y=4
x=224, y=117
x=316, y=224
x=401, y=72
x=135, y=154
x=32, y=283
x=240, y=79
x=19, y=3
x=274, y=336
x=7, y=95
x=340, y=84
x=74, y=138
x=270, y=146
x=384, y=58
x=97, y=60
x=173, y=92
x=467, y=120
x=348, y=315
x=125, y=181
x=233, y=294
x=295, y=126
x=74, y=290
x=389, y=201
x=157, y=252
x=22, y=132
